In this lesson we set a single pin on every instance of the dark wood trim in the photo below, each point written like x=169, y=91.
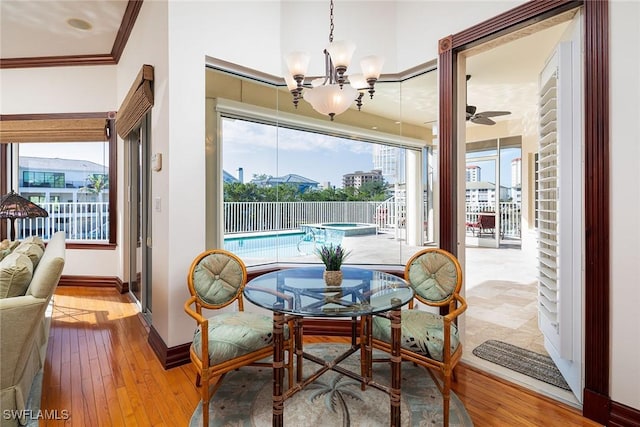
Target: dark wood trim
x=327, y=327
x=113, y=177
x=623, y=416
x=3, y=186
x=168, y=357
x=597, y=310
x=126, y=26
x=448, y=149
x=596, y=406
x=94, y=281
x=596, y=193
x=57, y=61
x=91, y=246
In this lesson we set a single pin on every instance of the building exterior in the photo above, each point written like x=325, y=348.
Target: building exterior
x=301, y=183
x=44, y=180
x=473, y=173
x=359, y=178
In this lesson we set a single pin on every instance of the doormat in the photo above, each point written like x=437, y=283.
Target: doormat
x=527, y=362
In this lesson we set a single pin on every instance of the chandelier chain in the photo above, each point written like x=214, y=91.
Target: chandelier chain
x=331, y=21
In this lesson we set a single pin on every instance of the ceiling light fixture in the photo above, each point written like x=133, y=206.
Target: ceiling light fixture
x=333, y=93
x=79, y=24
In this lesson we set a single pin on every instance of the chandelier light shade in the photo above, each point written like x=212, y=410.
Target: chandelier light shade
x=333, y=93
x=13, y=206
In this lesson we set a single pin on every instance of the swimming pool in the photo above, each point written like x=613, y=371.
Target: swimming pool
x=335, y=230
x=277, y=245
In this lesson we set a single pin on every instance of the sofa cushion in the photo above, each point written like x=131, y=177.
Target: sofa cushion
x=35, y=239
x=4, y=253
x=9, y=244
x=16, y=270
x=33, y=250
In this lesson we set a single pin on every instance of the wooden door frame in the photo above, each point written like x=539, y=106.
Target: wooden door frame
x=596, y=399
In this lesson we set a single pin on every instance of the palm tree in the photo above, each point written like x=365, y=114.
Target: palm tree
x=97, y=183
x=335, y=392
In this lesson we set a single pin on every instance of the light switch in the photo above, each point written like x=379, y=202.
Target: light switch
x=156, y=162
x=157, y=203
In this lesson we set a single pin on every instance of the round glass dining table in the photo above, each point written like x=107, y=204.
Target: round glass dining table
x=295, y=293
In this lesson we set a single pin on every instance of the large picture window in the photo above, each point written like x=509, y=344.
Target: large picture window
x=69, y=177
x=70, y=181
x=286, y=184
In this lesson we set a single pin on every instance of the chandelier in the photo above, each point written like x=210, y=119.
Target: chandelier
x=333, y=93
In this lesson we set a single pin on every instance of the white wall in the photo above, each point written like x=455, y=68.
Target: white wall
x=625, y=201
x=65, y=90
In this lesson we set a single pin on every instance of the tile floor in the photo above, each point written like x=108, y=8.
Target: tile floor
x=501, y=293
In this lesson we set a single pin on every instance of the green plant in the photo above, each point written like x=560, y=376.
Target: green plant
x=332, y=256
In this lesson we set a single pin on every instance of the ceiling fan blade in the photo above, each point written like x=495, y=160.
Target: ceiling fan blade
x=481, y=120
x=494, y=113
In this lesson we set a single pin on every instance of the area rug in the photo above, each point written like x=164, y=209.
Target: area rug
x=527, y=362
x=244, y=398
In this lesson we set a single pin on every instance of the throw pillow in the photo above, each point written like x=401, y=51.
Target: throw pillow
x=35, y=239
x=32, y=250
x=16, y=271
x=9, y=244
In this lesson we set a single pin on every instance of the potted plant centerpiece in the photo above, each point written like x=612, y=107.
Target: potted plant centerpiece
x=332, y=257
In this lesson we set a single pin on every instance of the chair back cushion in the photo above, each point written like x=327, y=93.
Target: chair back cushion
x=218, y=278
x=434, y=275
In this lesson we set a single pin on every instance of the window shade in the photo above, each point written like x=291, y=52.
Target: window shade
x=137, y=103
x=52, y=130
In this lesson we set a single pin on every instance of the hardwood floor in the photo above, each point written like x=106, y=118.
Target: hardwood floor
x=101, y=370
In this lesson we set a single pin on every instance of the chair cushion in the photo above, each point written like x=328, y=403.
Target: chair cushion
x=236, y=334
x=422, y=333
x=218, y=279
x=16, y=271
x=433, y=276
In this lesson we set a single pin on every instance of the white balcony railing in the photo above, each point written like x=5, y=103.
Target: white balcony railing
x=80, y=221
x=89, y=221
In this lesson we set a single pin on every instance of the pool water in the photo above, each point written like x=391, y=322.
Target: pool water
x=273, y=246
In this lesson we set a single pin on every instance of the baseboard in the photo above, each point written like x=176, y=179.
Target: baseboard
x=623, y=416
x=95, y=281
x=168, y=357
x=595, y=406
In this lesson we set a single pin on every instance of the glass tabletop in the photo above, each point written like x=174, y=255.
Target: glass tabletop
x=303, y=291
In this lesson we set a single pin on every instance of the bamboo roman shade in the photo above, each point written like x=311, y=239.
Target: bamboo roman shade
x=52, y=129
x=137, y=103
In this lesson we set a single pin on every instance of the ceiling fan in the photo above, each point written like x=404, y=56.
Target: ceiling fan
x=482, y=118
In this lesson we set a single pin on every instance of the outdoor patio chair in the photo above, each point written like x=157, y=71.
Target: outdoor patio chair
x=231, y=339
x=430, y=339
x=486, y=224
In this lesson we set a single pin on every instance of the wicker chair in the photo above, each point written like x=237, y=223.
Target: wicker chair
x=429, y=339
x=231, y=339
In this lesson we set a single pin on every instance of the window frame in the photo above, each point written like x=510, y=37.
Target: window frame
x=113, y=158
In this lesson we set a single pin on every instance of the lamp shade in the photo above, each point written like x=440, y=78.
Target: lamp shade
x=297, y=63
x=372, y=66
x=341, y=52
x=330, y=99
x=14, y=206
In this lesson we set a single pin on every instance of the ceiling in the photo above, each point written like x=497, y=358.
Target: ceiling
x=504, y=72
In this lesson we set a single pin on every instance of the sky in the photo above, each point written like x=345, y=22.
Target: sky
x=268, y=150
x=97, y=152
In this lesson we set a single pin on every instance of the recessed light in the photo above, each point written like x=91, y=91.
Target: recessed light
x=79, y=24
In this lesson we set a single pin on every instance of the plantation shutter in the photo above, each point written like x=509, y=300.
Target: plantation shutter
x=559, y=202
x=137, y=103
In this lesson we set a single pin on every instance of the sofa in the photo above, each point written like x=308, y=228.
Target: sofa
x=29, y=275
